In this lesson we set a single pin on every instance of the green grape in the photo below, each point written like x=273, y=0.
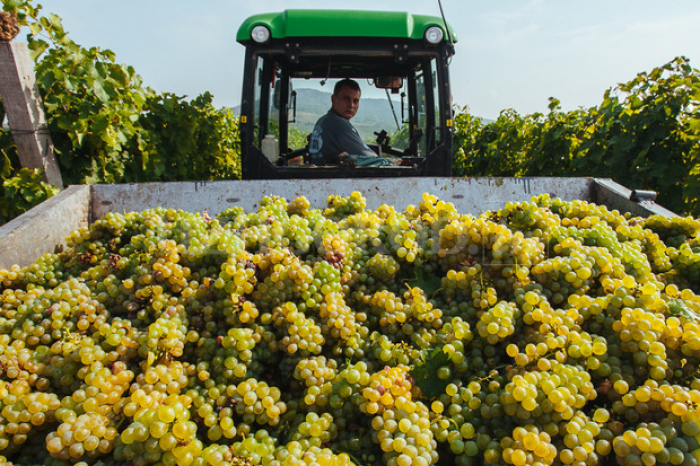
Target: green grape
x=545, y=332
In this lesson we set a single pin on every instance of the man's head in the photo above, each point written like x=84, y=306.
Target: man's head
x=346, y=98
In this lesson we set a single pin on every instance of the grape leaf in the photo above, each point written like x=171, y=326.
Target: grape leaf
x=429, y=283
x=677, y=307
x=425, y=372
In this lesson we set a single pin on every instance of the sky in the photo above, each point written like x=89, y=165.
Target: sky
x=510, y=54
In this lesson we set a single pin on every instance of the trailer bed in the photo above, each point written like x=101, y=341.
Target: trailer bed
x=44, y=228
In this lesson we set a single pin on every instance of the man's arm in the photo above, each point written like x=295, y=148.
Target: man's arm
x=352, y=143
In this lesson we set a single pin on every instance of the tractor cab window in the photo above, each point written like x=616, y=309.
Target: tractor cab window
x=261, y=94
x=435, y=103
x=427, y=109
x=421, y=112
x=381, y=112
x=398, y=116
x=268, y=103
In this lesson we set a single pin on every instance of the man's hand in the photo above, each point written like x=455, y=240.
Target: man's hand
x=346, y=161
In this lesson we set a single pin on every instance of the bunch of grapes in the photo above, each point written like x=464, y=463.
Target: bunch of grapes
x=339, y=320
x=347, y=388
x=332, y=250
x=258, y=402
x=673, y=231
x=339, y=206
x=302, y=452
x=232, y=356
x=237, y=275
x=498, y=323
x=548, y=332
x=23, y=412
x=303, y=334
x=404, y=435
x=686, y=262
x=382, y=267
x=530, y=446
x=389, y=353
x=317, y=374
x=403, y=238
x=527, y=216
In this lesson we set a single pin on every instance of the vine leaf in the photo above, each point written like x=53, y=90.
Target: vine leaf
x=425, y=372
x=677, y=307
x=429, y=283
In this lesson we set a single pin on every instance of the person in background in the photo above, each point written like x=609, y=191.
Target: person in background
x=334, y=139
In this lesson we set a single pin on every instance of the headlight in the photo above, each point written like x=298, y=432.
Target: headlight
x=434, y=35
x=260, y=34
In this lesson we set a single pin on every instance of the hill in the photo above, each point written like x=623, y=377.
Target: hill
x=374, y=113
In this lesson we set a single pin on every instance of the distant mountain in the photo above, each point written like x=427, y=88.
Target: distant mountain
x=374, y=114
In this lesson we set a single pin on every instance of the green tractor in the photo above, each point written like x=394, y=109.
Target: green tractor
x=403, y=55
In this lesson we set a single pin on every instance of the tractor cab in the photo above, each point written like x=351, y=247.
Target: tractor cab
x=294, y=57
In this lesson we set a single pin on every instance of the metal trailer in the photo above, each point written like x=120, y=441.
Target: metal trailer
x=44, y=228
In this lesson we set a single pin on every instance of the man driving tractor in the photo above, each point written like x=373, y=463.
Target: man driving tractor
x=334, y=139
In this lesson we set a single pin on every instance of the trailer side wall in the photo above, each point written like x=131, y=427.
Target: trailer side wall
x=44, y=228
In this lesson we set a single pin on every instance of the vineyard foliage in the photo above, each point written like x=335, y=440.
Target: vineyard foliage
x=645, y=135
x=108, y=127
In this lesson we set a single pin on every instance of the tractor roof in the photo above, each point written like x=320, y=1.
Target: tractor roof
x=341, y=23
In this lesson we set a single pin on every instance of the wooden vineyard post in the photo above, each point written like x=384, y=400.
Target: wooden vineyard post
x=25, y=112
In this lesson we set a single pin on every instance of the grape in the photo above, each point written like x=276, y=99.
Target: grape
x=545, y=332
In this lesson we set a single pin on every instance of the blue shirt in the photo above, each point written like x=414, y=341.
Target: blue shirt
x=332, y=135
